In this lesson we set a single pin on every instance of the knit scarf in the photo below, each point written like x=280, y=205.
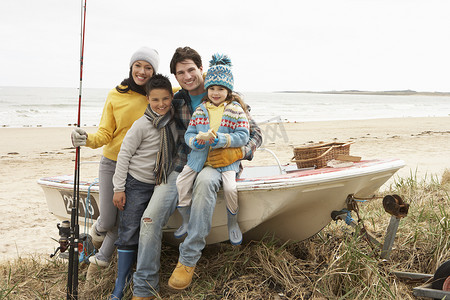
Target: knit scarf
x=163, y=164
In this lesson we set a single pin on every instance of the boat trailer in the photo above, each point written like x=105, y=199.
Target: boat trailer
x=393, y=204
x=438, y=286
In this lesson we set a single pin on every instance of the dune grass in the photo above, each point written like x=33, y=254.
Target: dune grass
x=337, y=263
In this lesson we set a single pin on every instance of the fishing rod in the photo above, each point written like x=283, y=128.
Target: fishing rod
x=72, y=273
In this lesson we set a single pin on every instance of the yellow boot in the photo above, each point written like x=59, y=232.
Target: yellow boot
x=143, y=298
x=181, y=277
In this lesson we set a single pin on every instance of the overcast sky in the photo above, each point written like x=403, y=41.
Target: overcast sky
x=274, y=45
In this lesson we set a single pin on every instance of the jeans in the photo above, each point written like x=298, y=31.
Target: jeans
x=204, y=196
x=138, y=195
x=161, y=206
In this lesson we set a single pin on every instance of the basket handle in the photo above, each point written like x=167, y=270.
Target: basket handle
x=348, y=143
x=309, y=159
x=321, y=155
x=320, y=145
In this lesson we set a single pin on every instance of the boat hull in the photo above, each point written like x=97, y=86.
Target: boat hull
x=292, y=206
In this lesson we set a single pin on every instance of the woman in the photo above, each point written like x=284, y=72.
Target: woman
x=125, y=104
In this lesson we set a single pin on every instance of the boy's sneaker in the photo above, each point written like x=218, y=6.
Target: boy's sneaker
x=97, y=262
x=95, y=267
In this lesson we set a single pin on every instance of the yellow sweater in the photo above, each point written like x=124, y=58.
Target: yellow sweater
x=215, y=114
x=119, y=113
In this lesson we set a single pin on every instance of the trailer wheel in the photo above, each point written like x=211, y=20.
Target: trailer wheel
x=442, y=275
x=446, y=286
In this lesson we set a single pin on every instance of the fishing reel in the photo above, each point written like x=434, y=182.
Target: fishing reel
x=84, y=245
x=64, y=235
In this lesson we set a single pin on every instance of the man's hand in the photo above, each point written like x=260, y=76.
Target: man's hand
x=79, y=137
x=224, y=157
x=119, y=200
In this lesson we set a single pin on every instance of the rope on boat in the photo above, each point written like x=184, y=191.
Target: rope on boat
x=85, y=254
x=365, y=199
x=352, y=204
x=348, y=217
x=357, y=200
x=88, y=215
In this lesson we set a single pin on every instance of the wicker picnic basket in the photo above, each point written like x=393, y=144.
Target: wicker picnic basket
x=317, y=155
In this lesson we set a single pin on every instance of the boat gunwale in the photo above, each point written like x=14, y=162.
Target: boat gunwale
x=322, y=177
x=294, y=179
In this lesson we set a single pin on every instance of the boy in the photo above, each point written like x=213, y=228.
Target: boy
x=148, y=146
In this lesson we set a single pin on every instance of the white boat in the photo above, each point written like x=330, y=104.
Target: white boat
x=293, y=204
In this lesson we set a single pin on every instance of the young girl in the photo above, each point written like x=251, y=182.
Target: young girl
x=144, y=161
x=220, y=121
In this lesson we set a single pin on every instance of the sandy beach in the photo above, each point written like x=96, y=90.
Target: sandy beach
x=27, y=154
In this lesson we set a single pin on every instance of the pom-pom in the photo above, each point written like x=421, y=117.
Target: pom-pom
x=220, y=59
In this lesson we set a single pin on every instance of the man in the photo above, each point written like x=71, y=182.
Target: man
x=186, y=65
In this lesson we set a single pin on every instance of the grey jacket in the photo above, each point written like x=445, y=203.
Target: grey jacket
x=138, y=152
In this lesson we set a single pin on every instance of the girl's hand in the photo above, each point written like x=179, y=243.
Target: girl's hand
x=213, y=141
x=119, y=200
x=199, y=144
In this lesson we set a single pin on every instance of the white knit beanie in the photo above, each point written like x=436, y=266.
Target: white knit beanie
x=146, y=54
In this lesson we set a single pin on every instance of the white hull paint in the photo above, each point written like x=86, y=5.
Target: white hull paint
x=293, y=206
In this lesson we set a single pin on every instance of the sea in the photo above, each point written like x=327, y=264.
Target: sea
x=58, y=107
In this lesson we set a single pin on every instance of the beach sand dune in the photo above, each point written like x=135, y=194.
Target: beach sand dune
x=27, y=154
x=423, y=143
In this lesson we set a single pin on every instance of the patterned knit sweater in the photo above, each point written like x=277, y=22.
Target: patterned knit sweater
x=233, y=132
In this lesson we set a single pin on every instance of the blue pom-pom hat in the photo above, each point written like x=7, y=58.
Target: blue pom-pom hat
x=219, y=72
